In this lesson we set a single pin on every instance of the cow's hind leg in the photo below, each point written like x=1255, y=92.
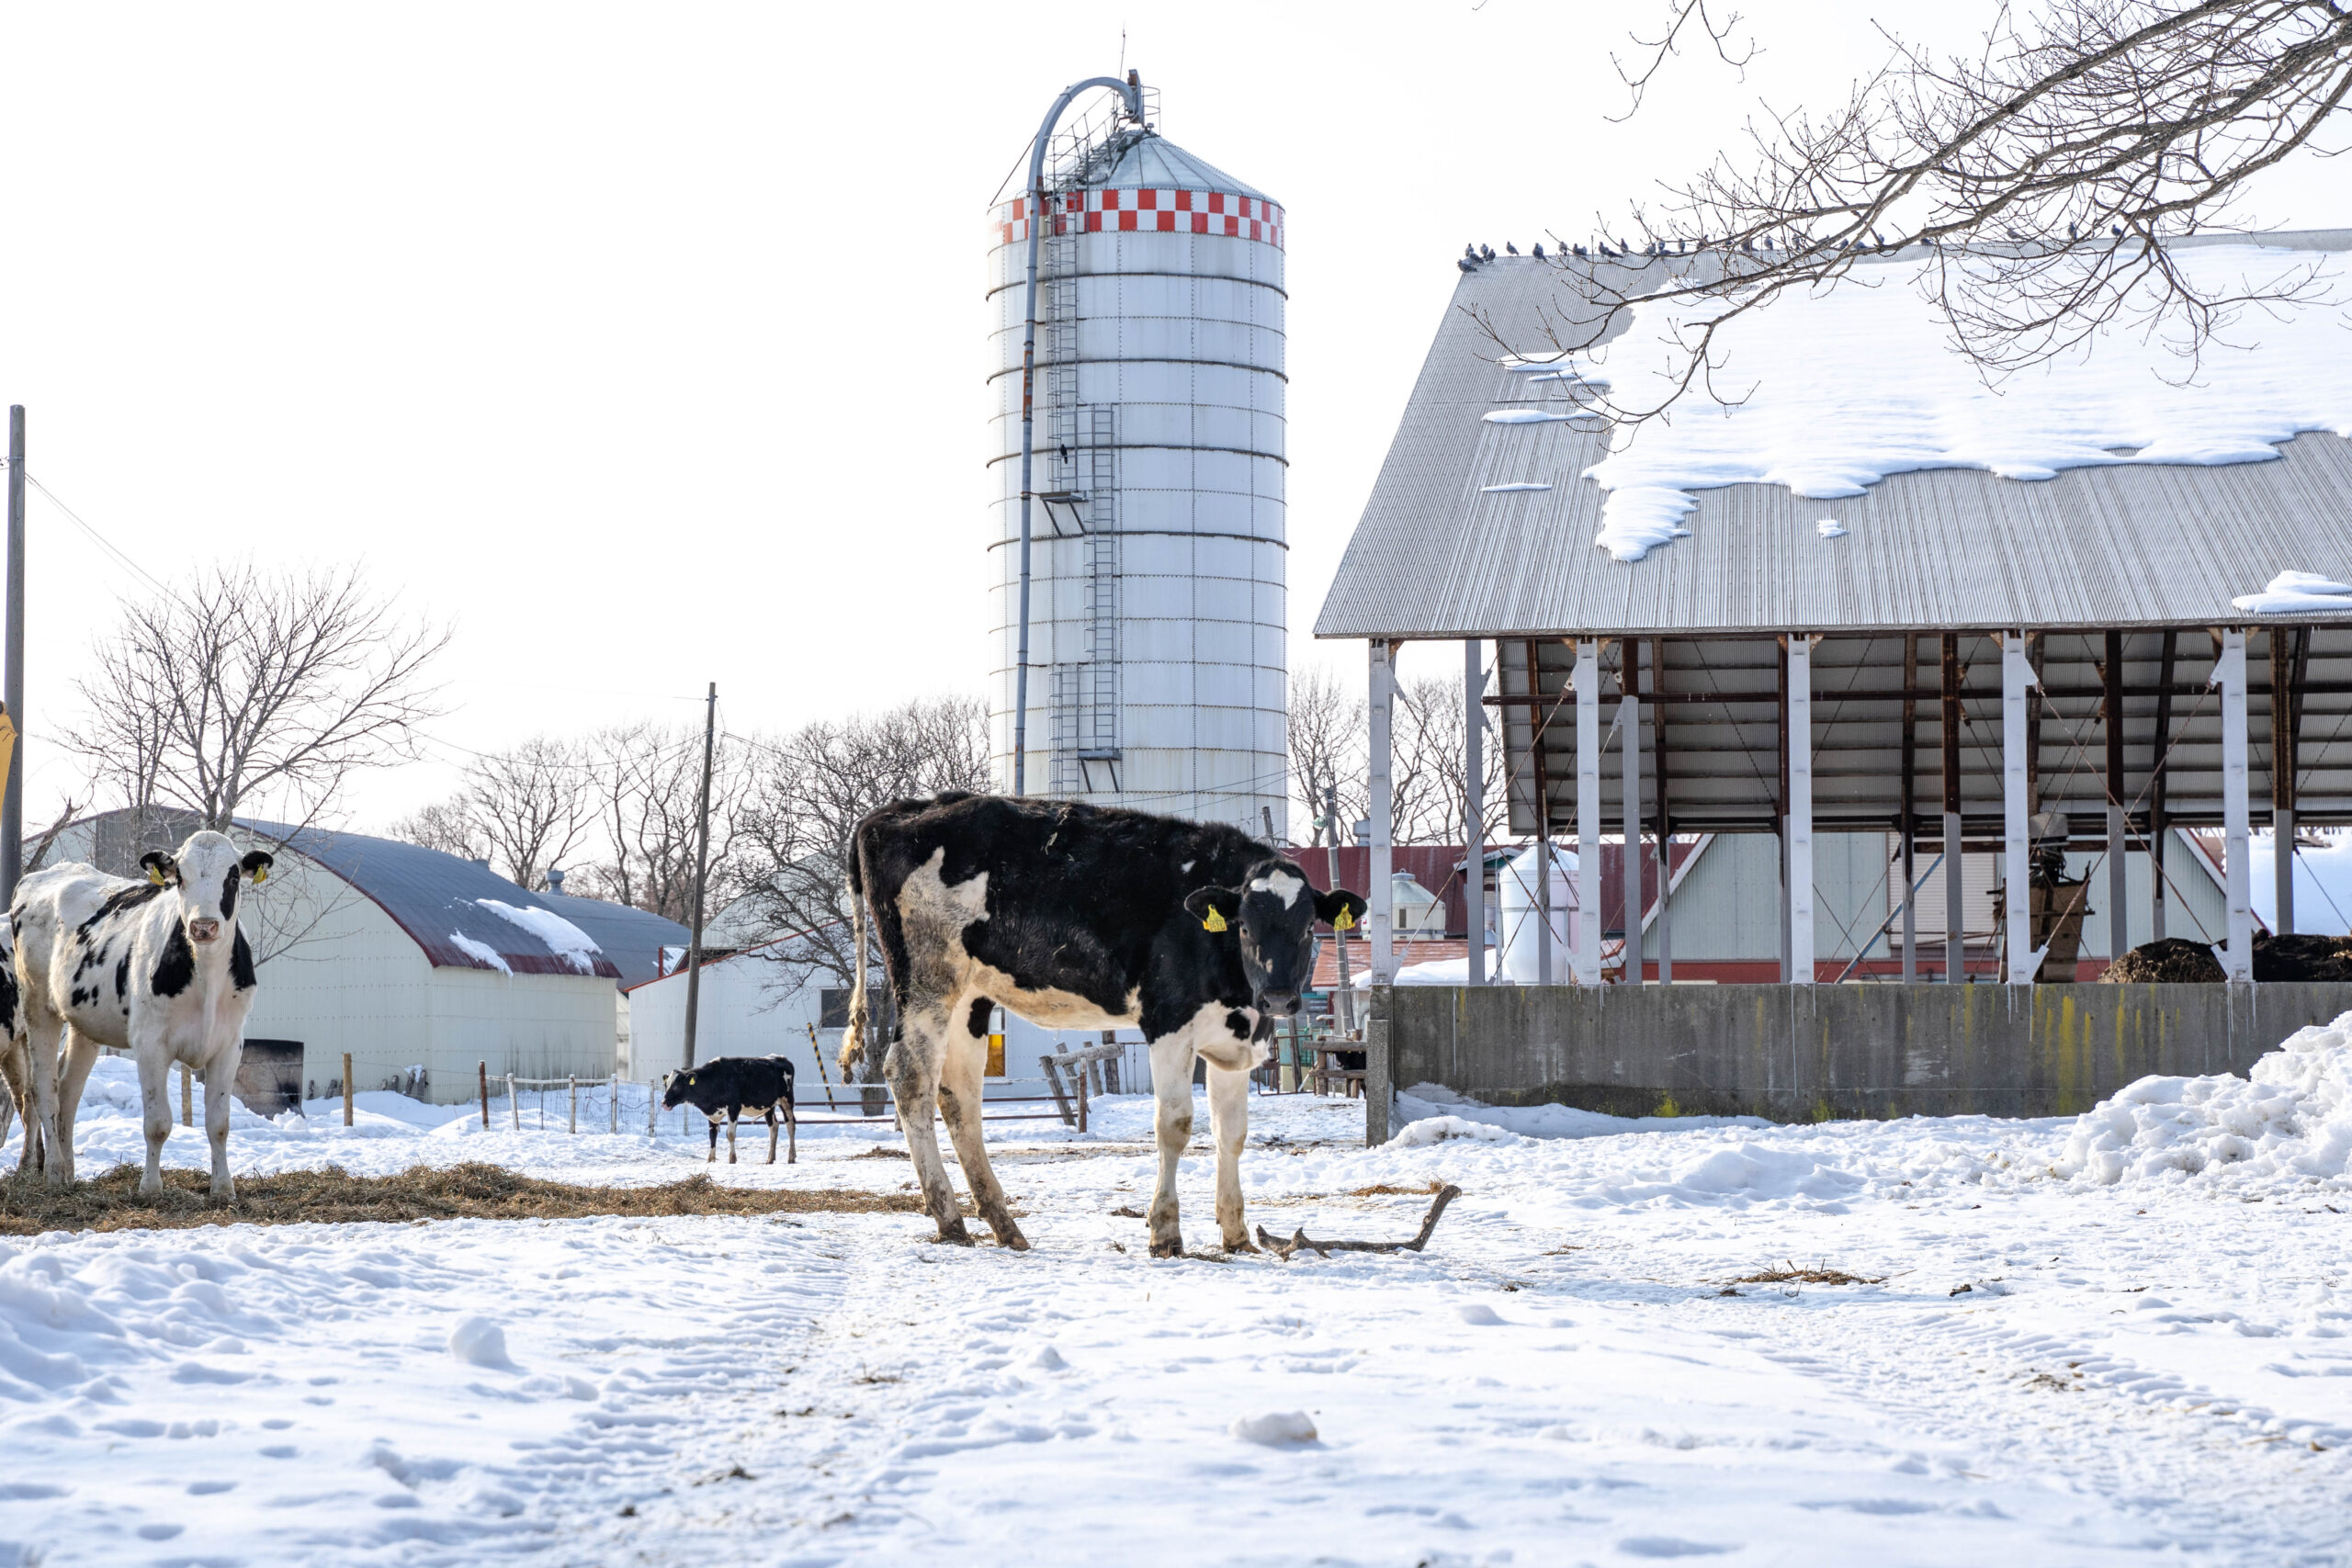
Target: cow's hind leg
x=74, y=1063
x=960, y=1101
x=913, y=1067
x=713, y=1157
x=772, y=1131
x=734, y=1116
x=1171, y=1086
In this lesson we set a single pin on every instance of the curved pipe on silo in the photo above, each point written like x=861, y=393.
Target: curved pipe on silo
x=1132, y=90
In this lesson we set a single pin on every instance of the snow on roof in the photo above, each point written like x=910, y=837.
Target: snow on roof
x=1849, y=386
x=461, y=913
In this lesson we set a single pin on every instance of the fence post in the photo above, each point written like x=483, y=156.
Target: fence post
x=1054, y=1081
x=573, y=1081
x=482, y=1078
x=613, y=1088
x=1080, y=1075
x=346, y=1089
x=513, y=1106
x=652, y=1104
x=187, y=1097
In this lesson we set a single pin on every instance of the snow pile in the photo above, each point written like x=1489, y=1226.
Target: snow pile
x=2299, y=593
x=480, y=952
x=562, y=938
x=1851, y=386
x=1451, y=1116
x=2290, y=1120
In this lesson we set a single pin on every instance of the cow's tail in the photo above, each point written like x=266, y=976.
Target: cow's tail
x=854, y=1036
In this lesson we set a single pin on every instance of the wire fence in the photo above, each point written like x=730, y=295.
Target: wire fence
x=614, y=1104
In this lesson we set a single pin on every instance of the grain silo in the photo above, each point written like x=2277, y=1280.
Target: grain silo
x=1157, y=620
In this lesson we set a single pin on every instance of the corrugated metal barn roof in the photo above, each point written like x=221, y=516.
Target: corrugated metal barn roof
x=437, y=899
x=1436, y=556
x=2125, y=548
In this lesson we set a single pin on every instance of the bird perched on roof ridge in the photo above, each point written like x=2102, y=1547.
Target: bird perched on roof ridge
x=1485, y=253
x=1470, y=251
x=1466, y=264
x=1511, y=248
x=2117, y=229
x=1877, y=238
x=1539, y=250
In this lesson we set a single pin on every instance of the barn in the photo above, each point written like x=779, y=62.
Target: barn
x=1892, y=640
x=417, y=965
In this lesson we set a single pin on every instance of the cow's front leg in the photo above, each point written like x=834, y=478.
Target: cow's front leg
x=1230, y=1122
x=712, y=1159
x=913, y=1067
x=155, y=1102
x=734, y=1117
x=772, y=1131
x=1172, y=1088
x=220, y=1095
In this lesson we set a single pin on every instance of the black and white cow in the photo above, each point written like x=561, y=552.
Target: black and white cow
x=732, y=1086
x=157, y=968
x=1078, y=917
x=15, y=1061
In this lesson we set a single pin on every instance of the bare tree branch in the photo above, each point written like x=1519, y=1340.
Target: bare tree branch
x=2032, y=185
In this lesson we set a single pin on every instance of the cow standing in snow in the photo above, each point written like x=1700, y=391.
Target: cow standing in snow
x=16, y=1062
x=1078, y=917
x=157, y=968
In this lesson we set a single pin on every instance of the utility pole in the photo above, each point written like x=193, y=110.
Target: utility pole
x=12, y=811
x=702, y=872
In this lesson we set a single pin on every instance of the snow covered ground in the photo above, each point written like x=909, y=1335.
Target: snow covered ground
x=2093, y=1342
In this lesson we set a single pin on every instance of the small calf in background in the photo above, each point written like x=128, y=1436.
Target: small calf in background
x=729, y=1087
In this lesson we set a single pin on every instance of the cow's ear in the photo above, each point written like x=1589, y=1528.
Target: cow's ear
x=161, y=869
x=257, y=863
x=1213, y=906
x=1342, y=908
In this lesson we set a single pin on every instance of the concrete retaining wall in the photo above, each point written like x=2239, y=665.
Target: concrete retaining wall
x=1811, y=1052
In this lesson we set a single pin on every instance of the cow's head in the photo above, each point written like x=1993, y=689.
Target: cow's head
x=1270, y=918
x=673, y=1090
x=207, y=872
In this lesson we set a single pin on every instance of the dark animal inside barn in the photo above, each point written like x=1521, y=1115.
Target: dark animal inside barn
x=1078, y=917
x=730, y=1088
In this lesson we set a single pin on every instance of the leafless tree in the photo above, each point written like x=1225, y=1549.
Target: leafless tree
x=1428, y=741
x=809, y=791
x=533, y=804
x=444, y=825
x=2031, y=184
x=245, y=688
x=647, y=791
x=1327, y=739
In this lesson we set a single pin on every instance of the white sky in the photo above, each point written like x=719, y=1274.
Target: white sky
x=645, y=344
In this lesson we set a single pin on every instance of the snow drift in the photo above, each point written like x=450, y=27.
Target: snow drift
x=2288, y=1122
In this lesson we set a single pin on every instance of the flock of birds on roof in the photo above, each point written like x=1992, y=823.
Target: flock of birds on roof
x=1475, y=257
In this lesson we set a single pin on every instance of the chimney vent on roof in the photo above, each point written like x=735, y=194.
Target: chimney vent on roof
x=555, y=881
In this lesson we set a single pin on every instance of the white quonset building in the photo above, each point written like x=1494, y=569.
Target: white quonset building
x=405, y=957
x=1159, y=615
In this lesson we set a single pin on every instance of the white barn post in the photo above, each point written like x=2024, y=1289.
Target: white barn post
x=1629, y=724
x=2230, y=674
x=2017, y=676
x=1587, y=812
x=1800, y=831
x=1474, y=773
x=1379, y=694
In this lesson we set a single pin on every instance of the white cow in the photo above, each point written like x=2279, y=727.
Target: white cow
x=158, y=968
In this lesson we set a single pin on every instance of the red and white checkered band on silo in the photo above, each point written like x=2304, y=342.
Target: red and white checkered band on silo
x=1148, y=210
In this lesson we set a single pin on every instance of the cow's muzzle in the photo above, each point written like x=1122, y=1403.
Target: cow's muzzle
x=1278, y=1004
x=203, y=930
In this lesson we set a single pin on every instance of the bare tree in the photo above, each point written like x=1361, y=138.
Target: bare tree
x=809, y=791
x=1432, y=796
x=533, y=804
x=2032, y=184
x=1327, y=740
x=648, y=781
x=445, y=824
x=242, y=688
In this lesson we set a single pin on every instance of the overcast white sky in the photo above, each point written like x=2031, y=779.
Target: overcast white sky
x=645, y=344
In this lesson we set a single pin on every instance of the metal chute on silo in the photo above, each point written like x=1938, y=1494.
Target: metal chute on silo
x=1156, y=623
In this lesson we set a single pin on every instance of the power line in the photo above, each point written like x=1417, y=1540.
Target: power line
x=119, y=557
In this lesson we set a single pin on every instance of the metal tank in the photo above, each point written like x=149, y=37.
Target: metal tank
x=1159, y=620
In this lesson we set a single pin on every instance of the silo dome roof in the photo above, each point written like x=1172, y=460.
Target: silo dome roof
x=1154, y=161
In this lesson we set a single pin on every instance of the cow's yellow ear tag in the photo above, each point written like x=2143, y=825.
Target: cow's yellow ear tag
x=261, y=875
x=1346, y=921
x=1215, y=922
x=155, y=875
